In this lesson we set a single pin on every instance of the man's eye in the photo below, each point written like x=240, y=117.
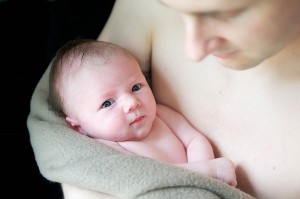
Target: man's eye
x=228, y=14
x=107, y=103
x=136, y=87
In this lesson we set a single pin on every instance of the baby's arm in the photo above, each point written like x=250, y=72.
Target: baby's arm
x=116, y=146
x=200, y=153
x=197, y=145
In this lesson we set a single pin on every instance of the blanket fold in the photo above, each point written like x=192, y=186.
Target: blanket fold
x=65, y=156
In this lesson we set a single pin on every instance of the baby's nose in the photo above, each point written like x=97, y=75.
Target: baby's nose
x=131, y=104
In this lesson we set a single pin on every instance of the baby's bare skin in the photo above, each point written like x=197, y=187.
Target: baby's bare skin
x=250, y=116
x=219, y=168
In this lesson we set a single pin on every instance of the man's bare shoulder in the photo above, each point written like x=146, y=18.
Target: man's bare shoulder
x=131, y=25
x=73, y=192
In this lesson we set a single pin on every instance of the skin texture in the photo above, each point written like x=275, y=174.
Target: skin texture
x=112, y=102
x=234, y=75
x=233, y=30
x=105, y=101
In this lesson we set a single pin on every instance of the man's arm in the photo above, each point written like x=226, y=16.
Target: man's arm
x=73, y=192
x=67, y=157
x=130, y=26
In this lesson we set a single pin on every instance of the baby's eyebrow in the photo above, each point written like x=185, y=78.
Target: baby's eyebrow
x=107, y=94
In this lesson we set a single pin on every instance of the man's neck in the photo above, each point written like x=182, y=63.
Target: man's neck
x=287, y=59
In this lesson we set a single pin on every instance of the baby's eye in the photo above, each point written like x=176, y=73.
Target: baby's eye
x=136, y=87
x=107, y=103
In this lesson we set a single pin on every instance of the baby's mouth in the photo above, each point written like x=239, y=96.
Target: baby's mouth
x=137, y=120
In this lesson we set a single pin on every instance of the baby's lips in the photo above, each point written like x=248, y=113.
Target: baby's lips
x=137, y=120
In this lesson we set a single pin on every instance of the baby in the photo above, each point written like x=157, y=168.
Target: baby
x=100, y=90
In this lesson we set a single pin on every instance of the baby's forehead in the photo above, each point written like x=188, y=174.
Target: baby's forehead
x=92, y=59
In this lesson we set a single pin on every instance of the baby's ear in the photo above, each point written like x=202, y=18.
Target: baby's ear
x=75, y=125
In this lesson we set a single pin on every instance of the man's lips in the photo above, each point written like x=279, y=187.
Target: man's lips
x=224, y=55
x=137, y=120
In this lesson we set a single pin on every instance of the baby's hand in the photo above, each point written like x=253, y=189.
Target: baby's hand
x=224, y=170
x=219, y=168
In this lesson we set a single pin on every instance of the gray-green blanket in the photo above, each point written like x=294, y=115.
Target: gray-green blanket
x=67, y=157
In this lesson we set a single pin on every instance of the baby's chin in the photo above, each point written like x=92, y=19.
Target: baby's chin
x=135, y=137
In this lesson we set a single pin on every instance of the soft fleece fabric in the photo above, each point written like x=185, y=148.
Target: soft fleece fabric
x=65, y=156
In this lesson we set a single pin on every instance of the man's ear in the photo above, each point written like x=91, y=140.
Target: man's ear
x=75, y=125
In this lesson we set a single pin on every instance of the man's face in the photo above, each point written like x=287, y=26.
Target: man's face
x=239, y=33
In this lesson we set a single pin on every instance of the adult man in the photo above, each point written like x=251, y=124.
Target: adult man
x=240, y=85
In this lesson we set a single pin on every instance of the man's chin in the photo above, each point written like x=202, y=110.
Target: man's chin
x=235, y=65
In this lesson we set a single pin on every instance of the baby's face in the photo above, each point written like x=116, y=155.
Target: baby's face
x=112, y=101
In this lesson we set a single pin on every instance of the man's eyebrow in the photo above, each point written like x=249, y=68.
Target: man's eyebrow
x=167, y=6
x=162, y=3
x=212, y=8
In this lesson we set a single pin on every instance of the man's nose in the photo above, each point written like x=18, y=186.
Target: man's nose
x=131, y=104
x=200, y=39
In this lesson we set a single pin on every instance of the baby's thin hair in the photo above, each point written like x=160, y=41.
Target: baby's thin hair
x=69, y=59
